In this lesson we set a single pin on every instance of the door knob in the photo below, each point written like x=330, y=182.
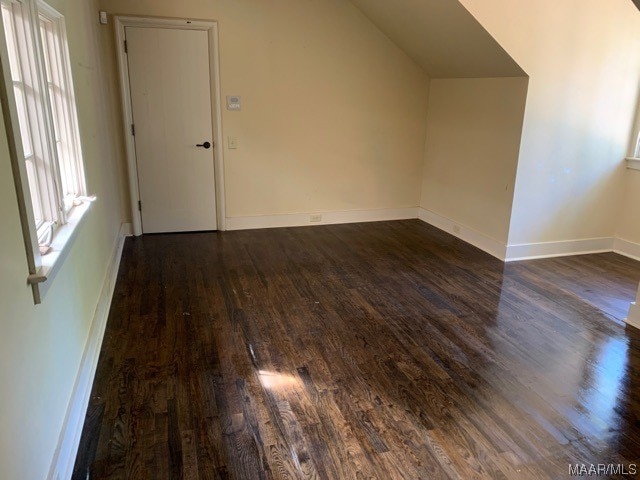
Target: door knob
x=205, y=145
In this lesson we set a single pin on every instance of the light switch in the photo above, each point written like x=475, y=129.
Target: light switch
x=233, y=142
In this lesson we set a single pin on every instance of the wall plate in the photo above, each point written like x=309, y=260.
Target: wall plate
x=234, y=102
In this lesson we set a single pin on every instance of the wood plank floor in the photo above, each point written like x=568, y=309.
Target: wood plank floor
x=382, y=350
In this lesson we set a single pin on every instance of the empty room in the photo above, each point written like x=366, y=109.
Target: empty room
x=323, y=239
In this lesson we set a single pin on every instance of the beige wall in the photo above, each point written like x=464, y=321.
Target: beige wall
x=628, y=227
x=442, y=37
x=583, y=60
x=41, y=346
x=471, y=153
x=333, y=112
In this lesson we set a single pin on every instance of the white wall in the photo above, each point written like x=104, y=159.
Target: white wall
x=583, y=60
x=333, y=112
x=41, y=346
x=471, y=152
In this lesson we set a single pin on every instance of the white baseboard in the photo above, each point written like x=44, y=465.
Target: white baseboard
x=65, y=455
x=530, y=251
x=126, y=230
x=633, y=318
x=627, y=248
x=477, y=239
x=334, y=217
x=507, y=253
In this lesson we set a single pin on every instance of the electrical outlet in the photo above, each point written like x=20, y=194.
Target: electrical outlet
x=456, y=229
x=315, y=218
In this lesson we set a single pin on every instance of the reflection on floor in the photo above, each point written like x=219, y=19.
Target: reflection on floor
x=380, y=350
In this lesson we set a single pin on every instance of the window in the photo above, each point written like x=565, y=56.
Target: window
x=39, y=93
x=62, y=104
x=633, y=161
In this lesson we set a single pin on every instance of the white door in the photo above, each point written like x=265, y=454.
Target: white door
x=171, y=88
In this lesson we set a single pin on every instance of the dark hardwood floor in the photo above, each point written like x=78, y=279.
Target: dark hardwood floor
x=382, y=350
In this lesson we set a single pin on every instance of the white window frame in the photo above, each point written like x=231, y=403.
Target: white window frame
x=636, y=151
x=61, y=200
x=633, y=160
x=42, y=185
x=62, y=99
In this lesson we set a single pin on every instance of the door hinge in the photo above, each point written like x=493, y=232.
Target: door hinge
x=126, y=48
x=133, y=130
x=139, y=205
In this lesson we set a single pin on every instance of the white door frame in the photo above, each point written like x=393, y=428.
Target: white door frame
x=211, y=27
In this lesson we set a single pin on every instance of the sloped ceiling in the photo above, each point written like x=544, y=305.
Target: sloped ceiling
x=442, y=37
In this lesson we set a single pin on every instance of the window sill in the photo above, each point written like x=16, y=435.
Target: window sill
x=60, y=247
x=633, y=163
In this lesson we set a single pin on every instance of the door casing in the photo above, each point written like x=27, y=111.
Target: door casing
x=211, y=27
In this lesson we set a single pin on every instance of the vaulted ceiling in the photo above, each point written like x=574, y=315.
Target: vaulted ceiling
x=442, y=37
